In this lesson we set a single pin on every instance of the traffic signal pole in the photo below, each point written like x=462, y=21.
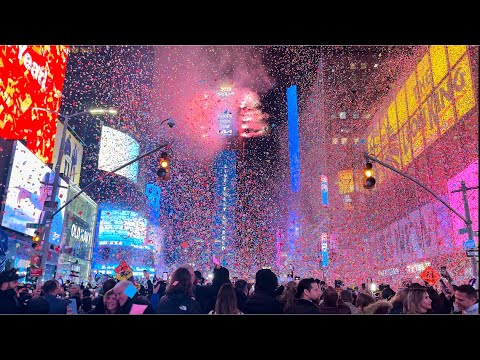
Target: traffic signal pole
x=467, y=220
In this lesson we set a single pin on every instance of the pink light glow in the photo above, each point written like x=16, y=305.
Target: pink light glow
x=470, y=175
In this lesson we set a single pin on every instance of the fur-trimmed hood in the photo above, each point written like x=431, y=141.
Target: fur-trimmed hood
x=379, y=307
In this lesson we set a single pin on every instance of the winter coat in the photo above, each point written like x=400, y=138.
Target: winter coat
x=241, y=299
x=339, y=309
x=302, y=306
x=261, y=303
x=178, y=303
x=139, y=300
x=397, y=308
x=57, y=306
x=9, y=302
x=378, y=307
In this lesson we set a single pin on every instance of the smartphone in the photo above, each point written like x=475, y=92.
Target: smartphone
x=72, y=304
x=30, y=291
x=165, y=276
x=444, y=287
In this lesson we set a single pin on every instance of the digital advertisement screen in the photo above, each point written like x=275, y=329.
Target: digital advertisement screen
x=71, y=164
x=121, y=227
x=26, y=193
x=116, y=149
x=31, y=76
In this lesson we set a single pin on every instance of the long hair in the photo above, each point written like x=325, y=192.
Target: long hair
x=363, y=300
x=107, y=295
x=413, y=300
x=287, y=298
x=226, y=300
x=180, y=282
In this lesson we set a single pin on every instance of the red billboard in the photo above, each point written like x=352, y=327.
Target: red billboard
x=31, y=76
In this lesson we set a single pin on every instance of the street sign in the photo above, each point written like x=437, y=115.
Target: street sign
x=469, y=244
x=33, y=225
x=463, y=231
x=50, y=205
x=472, y=252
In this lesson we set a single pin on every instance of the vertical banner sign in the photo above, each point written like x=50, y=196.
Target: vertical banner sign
x=324, y=186
x=293, y=138
x=324, y=243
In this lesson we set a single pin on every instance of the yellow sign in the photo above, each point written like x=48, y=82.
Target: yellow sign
x=437, y=93
x=345, y=181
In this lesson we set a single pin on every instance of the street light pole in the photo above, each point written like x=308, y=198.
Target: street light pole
x=47, y=217
x=463, y=189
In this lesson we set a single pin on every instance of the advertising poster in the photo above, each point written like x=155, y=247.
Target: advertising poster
x=31, y=76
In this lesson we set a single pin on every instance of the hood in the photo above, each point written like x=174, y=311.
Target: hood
x=379, y=307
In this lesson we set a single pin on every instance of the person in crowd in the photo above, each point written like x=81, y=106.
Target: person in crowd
x=397, y=301
x=199, y=280
x=178, y=298
x=466, y=299
x=148, y=284
x=98, y=302
x=158, y=291
x=51, y=289
x=241, y=291
x=263, y=300
x=347, y=299
x=438, y=305
x=37, y=305
x=126, y=302
x=9, y=301
x=363, y=300
x=330, y=303
x=378, y=307
x=74, y=290
x=110, y=303
x=86, y=306
x=418, y=301
x=207, y=295
x=226, y=301
x=308, y=293
x=387, y=292
x=287, y=298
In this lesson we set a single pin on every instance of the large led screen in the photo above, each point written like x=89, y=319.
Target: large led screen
x=26, y=192
x=71, y=164
x=116, y=149
x=121, y=227
x=31, y=76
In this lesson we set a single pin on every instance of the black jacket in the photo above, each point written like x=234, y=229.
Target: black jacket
x=397, y=308
x=301, y=306
x=9, y=302
x=178, y=303
x=139, y=300
x=261, y=303
x=241, y=300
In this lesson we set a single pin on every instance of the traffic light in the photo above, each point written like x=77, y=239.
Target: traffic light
x=37, y=236
x=164, y=172
x=369, y=180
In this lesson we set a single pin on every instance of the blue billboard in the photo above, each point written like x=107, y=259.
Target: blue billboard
x=293, y=138
x=225, y=169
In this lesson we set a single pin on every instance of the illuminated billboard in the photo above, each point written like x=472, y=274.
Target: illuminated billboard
x=26, y=192
x=71, y=164
x=116, y=149
x=293, y=138
x=31, y=76
x=225, y=191
x=121, y=227
x=437, y=94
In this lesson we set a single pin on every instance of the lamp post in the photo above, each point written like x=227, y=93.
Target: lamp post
x=47, y=218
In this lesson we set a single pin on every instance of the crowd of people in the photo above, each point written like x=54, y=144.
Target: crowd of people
x=187, y=293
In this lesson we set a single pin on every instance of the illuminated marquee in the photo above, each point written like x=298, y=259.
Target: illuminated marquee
x=31, y=76
x=435, y=96
x=324, y=244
